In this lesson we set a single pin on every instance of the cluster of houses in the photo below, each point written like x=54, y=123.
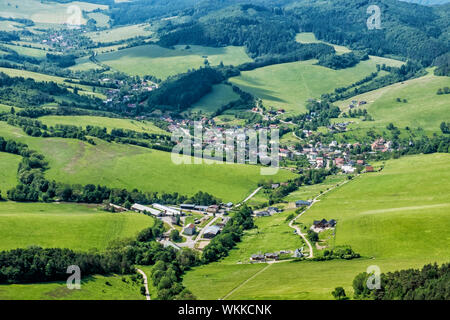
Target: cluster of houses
x=114, y=95
x=356, y=103
x=381, y=145
x=210, y=231
x=266, y=213
x=214, y=209
x=321, y=225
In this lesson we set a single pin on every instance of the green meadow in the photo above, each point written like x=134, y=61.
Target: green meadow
x=424, y=108
x=8, y=171
x=309, y=37
x=162, y=62
x=220, y=95
x=127, y=166
x=40, y=77
x=29, y=52
x=62, y=225
x=311, y=191
x=290, y=85
x=84, y=64
x=397, y=218
x=104, y=122
x=113, y=287
x=120, y=33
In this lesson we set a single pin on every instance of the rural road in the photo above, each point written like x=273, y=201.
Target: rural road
x=144, y=276
x=249, y=197
x=243, y=283
x=200, y=235
x=297, y=229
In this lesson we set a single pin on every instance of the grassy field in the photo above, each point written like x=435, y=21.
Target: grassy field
x=289, y=85
x=121, y=33
x=29, y=52
x=8, y=171
x=309, y=192
x=84, y=64
x=43, y=12
x=220, y=95
x=309, y=37
x=127, y=166
x=108, y=123
x=424, y=108
x=161, y=62
x=78, y=227
x=92, y=288
x=386, y=217
x=40, y=77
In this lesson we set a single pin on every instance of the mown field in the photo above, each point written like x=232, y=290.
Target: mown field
x=162, y=62
x=126, y=166
x=96, y=287
x=309, y=37
x=290, y=85
x=424, y=108
x=220, y=95
x=40, y=12
x=8, y=173
x=74, y=226
x=121, y=33
x=104, y=122
x=395, y=219
x=40, y=77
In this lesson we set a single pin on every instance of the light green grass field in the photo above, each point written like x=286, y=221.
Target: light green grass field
x=10, y=26
x=78, y=227
x=92, y=288
x=290, y=85
x=127, y=166
x=101, y=19
x=108, y=123
x=309, y=37
x=424, y=108
x=395, y=219
x=161, y=62
x=30, y=52
x=220, y=95
x=8, y=171
x=84, y=64
x=121, y=33
x=309, y=192
x=40, y=77
x=43, y=12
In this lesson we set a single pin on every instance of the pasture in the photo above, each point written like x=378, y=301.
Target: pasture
x=120, y=33
x=309, y=37
x=424, y=108
x=58, y=225
x=290, y=85
x=162, y=62
x=113, y=287
x=386, y=217
x=104, y=122
x=8, y=171
x=127, y=166
x=220, y=95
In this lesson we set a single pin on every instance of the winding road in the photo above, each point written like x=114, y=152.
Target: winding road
x=144, y=276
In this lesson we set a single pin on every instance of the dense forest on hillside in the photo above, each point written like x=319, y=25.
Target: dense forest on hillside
x=269, y=27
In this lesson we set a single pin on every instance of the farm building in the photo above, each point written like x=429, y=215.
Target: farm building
x=323, y=224
x=300, y=203
x=187, y=206
x=257, y=257
x=262, y=214
x=201, y=208
x=271, y=256
x=167, y=210
x=211, y=232
x=189, y=230
x=213, y=208
x=144, y=209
